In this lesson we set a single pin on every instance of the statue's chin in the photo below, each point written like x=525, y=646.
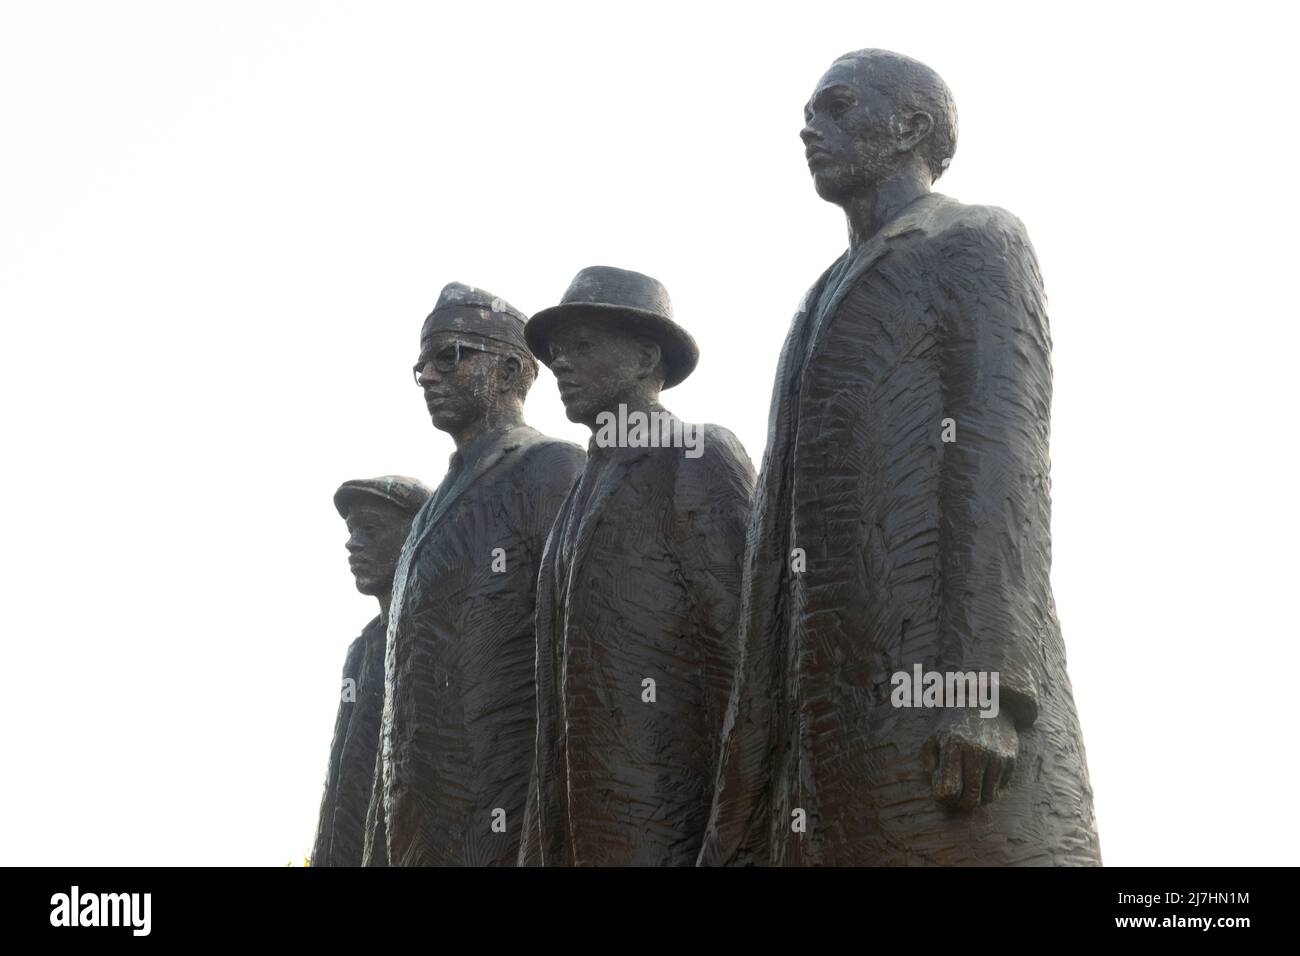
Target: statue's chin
x=827, y=188
x=824, y=186
x=444, y=423
x=372, y=588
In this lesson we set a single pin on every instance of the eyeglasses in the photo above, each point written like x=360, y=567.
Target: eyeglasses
x=445, y=360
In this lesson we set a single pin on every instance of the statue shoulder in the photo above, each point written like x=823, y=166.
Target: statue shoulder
x=554, y=456
x=719, y=450
x=984, y=247
x=357, y=650
x=975, y=224
x=989, y=271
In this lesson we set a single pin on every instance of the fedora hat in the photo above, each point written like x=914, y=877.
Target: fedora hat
x=628, y=300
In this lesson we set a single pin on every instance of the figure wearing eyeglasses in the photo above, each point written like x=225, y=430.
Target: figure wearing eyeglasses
x=459, y=709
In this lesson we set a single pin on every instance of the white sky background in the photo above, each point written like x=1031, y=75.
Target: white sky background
x=222, y=224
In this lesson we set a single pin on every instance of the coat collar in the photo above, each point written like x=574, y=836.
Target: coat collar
x=611, y=462
x=474, y=460
x=485, y=445
x=612, y=469
x=915, y=216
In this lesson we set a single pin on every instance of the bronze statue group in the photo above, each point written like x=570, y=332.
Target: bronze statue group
x=642, y=654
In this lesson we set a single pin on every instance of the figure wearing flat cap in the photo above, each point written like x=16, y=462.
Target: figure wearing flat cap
x=459, y=709
x=901, y=526
x=378, y=512
x=638, y=593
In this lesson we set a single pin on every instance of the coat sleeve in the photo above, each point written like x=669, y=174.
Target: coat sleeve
x=739, y=825
x=995, y=478
x=713, y=493
x=559, y=466
x=556, y=466
x=374, y=852
x=322, y=850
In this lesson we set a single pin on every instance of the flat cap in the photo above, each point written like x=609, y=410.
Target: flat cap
x=408, y=494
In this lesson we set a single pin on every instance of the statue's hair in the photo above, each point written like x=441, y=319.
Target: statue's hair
x=661, y=369
x=911, y=85
x=527, y=369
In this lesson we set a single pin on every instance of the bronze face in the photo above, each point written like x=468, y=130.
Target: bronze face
x=597, y=366
x=460, y=377
x=376, y=532
x=847, y=135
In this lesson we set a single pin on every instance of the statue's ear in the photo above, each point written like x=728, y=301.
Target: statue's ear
x=911, y=128
x=648, y=356
x=511, y=368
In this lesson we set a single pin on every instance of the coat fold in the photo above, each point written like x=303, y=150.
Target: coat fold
x=639, y=583
x=917, y=550
x=458, y=725
x=340, y=831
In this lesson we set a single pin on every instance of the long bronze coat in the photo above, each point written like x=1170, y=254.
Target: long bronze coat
x=640, y=581
x=340, y=831
x=459, y=713
x=917, y=551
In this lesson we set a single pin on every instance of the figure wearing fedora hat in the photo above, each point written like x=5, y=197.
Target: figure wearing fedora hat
x=637, y=596
x=378, y=512
x=459, y=709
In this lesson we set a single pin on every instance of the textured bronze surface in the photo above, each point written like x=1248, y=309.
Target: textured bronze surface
x=459, y=712
x=638, y=595
x=908, y=464
x=378, y=513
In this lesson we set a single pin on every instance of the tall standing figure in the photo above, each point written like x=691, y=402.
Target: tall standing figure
x=638, y=593
x=458, y=722
x=378, y=513
x=901, y=529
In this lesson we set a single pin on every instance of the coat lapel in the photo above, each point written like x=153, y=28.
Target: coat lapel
x=544, y=843
x=917, y=214
x=610, y=479
x=759, y=713
x=440, y=503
